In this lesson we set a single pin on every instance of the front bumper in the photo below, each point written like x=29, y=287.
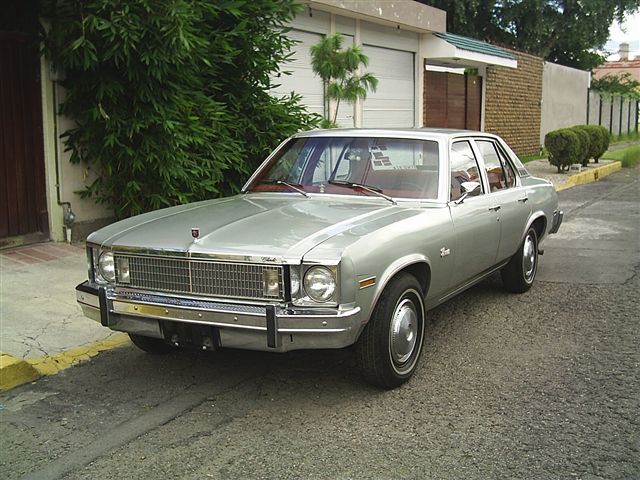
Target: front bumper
x=237, y=325
x=557, y=221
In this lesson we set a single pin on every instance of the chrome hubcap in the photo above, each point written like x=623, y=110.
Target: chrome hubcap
x=529, y=257
x=404, y=331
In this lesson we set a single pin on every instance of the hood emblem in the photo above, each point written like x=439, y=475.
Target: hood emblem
x=195, y=233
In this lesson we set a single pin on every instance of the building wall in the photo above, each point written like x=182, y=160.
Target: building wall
x=564, y=97
x=632, y=67
x=512, y=105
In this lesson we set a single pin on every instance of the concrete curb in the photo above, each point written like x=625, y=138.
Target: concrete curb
x=18, y=371
x=588, y=176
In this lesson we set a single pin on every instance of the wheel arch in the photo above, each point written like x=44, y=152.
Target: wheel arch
x=416, y=265
x=538, y=222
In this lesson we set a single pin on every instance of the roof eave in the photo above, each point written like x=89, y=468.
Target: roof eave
x=442, y=53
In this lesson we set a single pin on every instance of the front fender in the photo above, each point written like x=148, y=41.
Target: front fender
x=417, y=259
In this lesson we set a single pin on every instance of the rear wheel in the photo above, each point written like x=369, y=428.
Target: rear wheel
x=151, y=345
x=390, y=345
x=519, y=273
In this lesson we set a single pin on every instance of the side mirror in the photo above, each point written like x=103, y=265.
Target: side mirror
x=469, y=189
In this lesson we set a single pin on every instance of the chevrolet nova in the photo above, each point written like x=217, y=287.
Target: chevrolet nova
x=341, y=237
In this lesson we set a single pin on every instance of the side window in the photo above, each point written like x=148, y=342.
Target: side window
x=464, y=167
x=492, y=165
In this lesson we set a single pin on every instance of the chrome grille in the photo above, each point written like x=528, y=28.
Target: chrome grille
x=199, y=277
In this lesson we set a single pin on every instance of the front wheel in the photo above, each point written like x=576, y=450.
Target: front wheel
x=519, y=273
x=390, y=345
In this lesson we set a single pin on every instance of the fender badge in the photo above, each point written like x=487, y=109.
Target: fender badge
x=444, y=252
x=195, y=233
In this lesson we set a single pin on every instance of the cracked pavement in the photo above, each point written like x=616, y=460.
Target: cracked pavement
x=534, y=386
x=31, y=299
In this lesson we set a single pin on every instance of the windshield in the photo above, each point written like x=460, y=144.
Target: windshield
x=397, y=167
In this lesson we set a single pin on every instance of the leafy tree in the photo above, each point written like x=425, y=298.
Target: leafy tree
x=170, y=97
x=621, y=84
x=338, y=68
x=563, y=31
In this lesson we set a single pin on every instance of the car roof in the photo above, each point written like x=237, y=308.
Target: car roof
x=425, y=133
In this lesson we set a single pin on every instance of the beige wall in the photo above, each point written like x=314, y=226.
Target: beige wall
x=564, y=97
x=405, y=14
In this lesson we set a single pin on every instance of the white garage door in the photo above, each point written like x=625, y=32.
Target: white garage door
x=392, y=105
x=302, y=79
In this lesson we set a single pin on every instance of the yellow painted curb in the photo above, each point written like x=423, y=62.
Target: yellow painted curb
x=17, y=371
x=588, y=176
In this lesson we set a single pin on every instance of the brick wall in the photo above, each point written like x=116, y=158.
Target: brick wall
x=512, y=105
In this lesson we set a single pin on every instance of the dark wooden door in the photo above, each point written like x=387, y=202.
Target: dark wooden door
x=23, y=205
x=452, y=101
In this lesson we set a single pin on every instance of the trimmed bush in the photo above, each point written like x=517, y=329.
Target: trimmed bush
x=584, y=145
x=606, y=138
x=598, y=140
x=563, y=146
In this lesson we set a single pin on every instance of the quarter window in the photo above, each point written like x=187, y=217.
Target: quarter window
x=464, y=168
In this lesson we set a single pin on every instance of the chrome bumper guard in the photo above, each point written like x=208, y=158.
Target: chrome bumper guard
x=249, y=326
x=557, y=221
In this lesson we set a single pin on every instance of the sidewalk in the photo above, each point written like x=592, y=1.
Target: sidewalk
x=562, y=181
x=42, y=329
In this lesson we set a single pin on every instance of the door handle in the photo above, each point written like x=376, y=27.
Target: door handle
x=523, y=199
x=495, y=209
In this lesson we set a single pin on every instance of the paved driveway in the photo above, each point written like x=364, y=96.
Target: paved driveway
x=541, y=385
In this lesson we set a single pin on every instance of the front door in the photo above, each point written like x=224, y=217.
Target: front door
x=476, y=222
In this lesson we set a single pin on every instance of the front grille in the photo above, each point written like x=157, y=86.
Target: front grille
x=199, y=277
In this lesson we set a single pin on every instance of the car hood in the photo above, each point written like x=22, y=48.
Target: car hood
x=257, y=225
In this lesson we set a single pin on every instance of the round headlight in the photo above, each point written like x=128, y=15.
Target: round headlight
x=107, y=267
x=319, y=283
x=295, y=281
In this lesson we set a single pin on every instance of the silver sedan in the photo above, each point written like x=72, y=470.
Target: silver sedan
x=340, y=237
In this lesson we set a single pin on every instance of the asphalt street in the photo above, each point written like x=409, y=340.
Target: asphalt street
x=544, y=385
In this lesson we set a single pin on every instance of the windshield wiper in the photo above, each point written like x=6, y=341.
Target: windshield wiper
x=296, y=187
x=368, y=188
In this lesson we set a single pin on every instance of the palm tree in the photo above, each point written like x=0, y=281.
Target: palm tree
x=338, y=68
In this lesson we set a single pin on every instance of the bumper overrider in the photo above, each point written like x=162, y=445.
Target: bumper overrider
x=210, y=324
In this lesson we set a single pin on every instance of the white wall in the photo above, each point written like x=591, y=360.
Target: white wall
x=602, y=106
x=564, y=97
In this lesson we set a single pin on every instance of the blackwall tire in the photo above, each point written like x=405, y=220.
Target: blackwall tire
x=155, y=346
x=389, y=348
x=518, y=275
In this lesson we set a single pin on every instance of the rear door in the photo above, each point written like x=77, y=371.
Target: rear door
x=509, y=197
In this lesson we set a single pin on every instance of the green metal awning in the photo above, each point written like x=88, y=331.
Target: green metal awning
x=451, y=50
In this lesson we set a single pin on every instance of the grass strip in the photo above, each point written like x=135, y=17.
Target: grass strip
x=629, y=157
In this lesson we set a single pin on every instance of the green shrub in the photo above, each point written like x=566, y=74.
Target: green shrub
x=584, y=141
x=171, y=98
x=595, y=140
x=606, y=139
x=563, y=146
